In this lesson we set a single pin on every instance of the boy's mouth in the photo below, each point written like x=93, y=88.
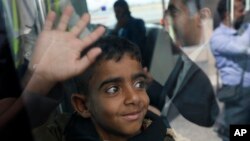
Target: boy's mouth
x=132, y=116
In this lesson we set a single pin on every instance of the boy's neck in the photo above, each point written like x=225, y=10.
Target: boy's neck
x=110, y=137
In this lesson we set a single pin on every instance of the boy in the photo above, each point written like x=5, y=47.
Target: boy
x=112, y=103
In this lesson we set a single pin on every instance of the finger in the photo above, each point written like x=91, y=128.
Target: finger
x=67, y=12
x=81, y=24
x=92, y=37
x=88, y=59
x=49, y=20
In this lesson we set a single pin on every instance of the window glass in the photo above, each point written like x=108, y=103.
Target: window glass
x=102, y=11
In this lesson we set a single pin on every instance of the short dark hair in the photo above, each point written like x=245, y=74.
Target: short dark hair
x=198, y=3
x=113, y=48
x=122, y=4
x=223, y=7
x=193, y=6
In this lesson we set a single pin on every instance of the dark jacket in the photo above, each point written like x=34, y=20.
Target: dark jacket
x=80, y=129
x=194, y=98
x=134, y=30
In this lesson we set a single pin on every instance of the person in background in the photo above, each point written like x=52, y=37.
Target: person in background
x=187, y=88
x=129, y=27
x=232, y=52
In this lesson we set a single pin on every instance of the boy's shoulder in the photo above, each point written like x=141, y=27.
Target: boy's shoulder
x=75, y=127
x=153, y=128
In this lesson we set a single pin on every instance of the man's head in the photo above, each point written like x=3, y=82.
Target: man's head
x=188, y=17
x=238, y=12
x=121, y=9
x=113, y=90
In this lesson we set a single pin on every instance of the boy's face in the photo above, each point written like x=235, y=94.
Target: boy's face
x=117, y=98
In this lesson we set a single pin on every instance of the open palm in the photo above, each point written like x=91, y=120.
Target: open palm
x=57, y=55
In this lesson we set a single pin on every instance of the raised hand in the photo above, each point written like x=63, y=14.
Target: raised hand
x=57, y=53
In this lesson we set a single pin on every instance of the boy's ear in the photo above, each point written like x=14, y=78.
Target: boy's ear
x=79, y=102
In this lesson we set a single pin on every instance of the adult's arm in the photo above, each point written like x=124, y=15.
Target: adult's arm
x=231, y=45
x=57, y=57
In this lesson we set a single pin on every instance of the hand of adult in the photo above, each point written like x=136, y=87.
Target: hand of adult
x=57, y=53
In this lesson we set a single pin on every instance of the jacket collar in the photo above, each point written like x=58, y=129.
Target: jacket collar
x=172, y=80
x=79, y=129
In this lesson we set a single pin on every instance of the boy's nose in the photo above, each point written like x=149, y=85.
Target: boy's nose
x=131, y=96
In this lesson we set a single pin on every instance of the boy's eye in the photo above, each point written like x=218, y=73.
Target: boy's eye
x=140, y=84
x=112, y=90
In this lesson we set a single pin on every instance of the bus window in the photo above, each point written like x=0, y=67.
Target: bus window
x=102, y=11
